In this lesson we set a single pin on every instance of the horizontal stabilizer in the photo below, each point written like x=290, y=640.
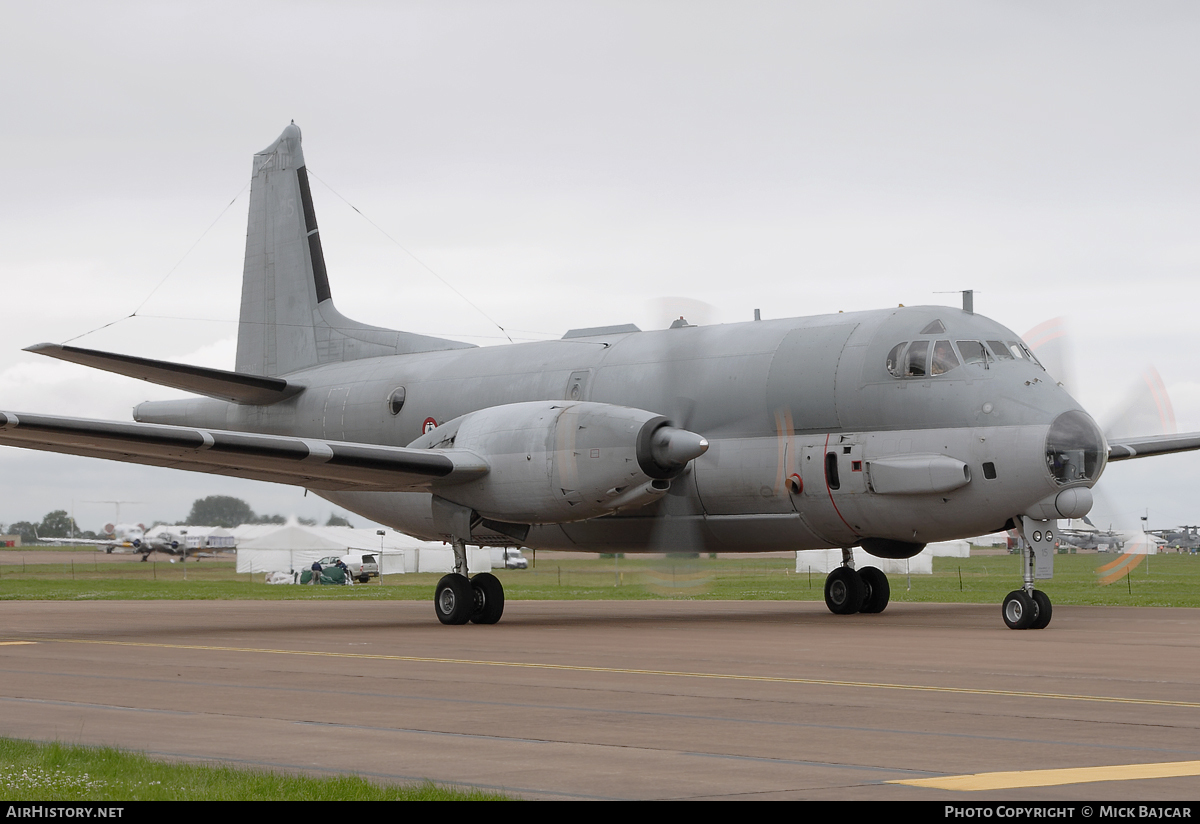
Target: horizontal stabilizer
x=1124, y=449
x=309, y=462
x=215, y=383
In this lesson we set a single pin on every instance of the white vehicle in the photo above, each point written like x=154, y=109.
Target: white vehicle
x=362, y=565
x=508, y=558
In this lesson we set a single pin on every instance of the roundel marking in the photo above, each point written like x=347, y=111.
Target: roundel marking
x=429, y=425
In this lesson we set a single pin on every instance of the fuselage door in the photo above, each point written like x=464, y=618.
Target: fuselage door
x=333, y=416
x=832, y=482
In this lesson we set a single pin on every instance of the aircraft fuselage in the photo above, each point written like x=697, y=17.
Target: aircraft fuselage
x=814, y=442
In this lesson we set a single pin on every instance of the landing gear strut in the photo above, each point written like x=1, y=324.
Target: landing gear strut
x=1029, y=608
x=848, y=590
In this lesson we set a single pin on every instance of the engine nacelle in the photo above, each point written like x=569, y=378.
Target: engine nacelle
x=888, y=548
x=561, y=461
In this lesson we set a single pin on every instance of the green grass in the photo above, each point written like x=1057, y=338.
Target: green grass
x=1163, y=580
x=59, y=772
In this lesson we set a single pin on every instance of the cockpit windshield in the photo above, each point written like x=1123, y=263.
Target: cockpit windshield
x=944, y=358
x=972, y=351
x=929, y=358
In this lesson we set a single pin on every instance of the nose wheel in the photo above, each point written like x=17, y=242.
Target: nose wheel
x=1024, y=611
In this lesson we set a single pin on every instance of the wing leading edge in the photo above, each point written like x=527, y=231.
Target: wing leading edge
x=1143, y=447
x=308, y=462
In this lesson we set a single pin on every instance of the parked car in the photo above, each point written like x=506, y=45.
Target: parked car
x=362, y=565
x=508, y=558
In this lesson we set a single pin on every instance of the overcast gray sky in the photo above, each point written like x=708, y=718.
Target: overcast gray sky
x=565, y=164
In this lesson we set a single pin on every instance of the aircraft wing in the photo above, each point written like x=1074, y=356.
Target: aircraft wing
x=1124, y=449
x=310, y=462
x=215, y=383
x=85, y=542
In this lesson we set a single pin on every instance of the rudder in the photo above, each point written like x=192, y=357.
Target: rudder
x=288, y=321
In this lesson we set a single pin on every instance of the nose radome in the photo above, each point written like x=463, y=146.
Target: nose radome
x=1075, y=449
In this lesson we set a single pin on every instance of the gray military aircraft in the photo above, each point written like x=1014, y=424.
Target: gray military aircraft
x=1092, y=537
x=1185, y=537
x=883, y=429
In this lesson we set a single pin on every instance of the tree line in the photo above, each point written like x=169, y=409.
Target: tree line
x=215, y=510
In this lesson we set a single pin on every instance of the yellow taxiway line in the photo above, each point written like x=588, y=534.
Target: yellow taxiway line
x=762, y=679
x=1021, y=779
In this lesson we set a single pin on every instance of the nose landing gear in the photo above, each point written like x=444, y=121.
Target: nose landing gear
x=1029, y=608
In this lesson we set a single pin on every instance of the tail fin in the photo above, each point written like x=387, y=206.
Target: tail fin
x=288, y=320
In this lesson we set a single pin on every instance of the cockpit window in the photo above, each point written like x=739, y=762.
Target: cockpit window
x=1029, y=354
x=396, y=400
x=913, y=359
x=972, y=351
x=893, y=360
x=944, y=358
x=1000, y=350
x=914, y=363
x=934, y=328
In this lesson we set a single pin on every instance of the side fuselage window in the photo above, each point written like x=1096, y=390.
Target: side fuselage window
x=893, y=360
x=831, y=471
x=918, y=355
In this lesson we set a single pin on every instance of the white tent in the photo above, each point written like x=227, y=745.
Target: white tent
x=275, y=548
x=827, y=560
x=948, y=549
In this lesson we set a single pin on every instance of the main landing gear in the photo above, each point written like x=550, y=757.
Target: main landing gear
x=459, y=599
x=848, y=590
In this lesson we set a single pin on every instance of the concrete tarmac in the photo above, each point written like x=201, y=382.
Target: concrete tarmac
x=629, y=700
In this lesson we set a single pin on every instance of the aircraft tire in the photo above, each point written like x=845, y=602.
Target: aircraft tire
x=843, y=591
x=489, y=598
x=876, y=590
x=454, y=599
x=1018, y=610
x=1044, y=610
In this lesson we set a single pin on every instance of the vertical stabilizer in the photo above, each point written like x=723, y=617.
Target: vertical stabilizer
x=288, y=320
